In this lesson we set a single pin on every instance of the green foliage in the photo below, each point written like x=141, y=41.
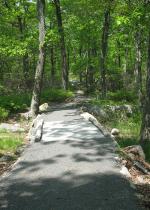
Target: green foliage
x=3, y=113
x=129, y=128
x=122, y=95
x=14, y=103
x=55, y=95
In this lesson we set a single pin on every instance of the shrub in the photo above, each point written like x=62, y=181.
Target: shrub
x=55, y=95
x=14, y=103
x=3, y=113
x=122, y=95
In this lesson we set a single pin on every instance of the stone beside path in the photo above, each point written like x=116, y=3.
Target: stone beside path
x=73, y=167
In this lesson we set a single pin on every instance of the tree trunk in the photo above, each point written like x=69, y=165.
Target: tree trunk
x=138, y=72
x=91, y=55
x=25, y=58
x=63, y=47
x=145, y=127
x=118, y=55
x=104, y=46
x=52, y=66
x=126, y=69
x=41, y=60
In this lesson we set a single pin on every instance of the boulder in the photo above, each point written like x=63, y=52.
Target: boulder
x=35, y=132
x=115, y=132
x=83, y=109
x=124, y=171
x=87, y=116
x=97, y=111
x=6, y=158
x=11, y=127
x=44, y=107
x=126, y=108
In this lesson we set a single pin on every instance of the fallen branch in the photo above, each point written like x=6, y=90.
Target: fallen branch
x=139, y=164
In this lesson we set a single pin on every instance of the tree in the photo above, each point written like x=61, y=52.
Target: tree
x=41, y=60
x=62, y=44
x=138, y=65
x=104, y=46
x=25, y=59
x=145, y=127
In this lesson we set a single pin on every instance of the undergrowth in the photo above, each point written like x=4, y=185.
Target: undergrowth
x=10, y=141
x=16, y=103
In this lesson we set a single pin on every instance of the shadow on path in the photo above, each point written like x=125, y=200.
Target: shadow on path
x=73, y=168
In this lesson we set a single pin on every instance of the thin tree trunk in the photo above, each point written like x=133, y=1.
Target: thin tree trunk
x=40, y=64
x=52, y=66
x=63, y=47
x=91, y=54
x=25, y=58
x=68, y=59
x=138, y=72
x=118, y=55
x=104, y=46
x=80, y=73
x=145, y=127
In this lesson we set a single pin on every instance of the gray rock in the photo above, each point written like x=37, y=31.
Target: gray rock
x=115, y=132
x=127, y=108
x=83, y=109
x=6, y=158
x=26, y=115
x=35, y=131
x=97, y=111
x=11, y=127
x=19, y=150
x=124, y=171
x=38, y=130
x=44, y=107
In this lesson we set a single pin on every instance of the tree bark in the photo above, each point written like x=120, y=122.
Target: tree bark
x=25, y=58
x=104, y=46
x=145, y=127
x=91, y=55
x=52, y=66
x=118, y=55
x=41, y=60
x=62, y=44
x=138, y=72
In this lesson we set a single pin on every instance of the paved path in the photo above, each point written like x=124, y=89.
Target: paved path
x=73, y=168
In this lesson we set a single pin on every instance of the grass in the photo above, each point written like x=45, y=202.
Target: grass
x=10, y=141
x=110, y=102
